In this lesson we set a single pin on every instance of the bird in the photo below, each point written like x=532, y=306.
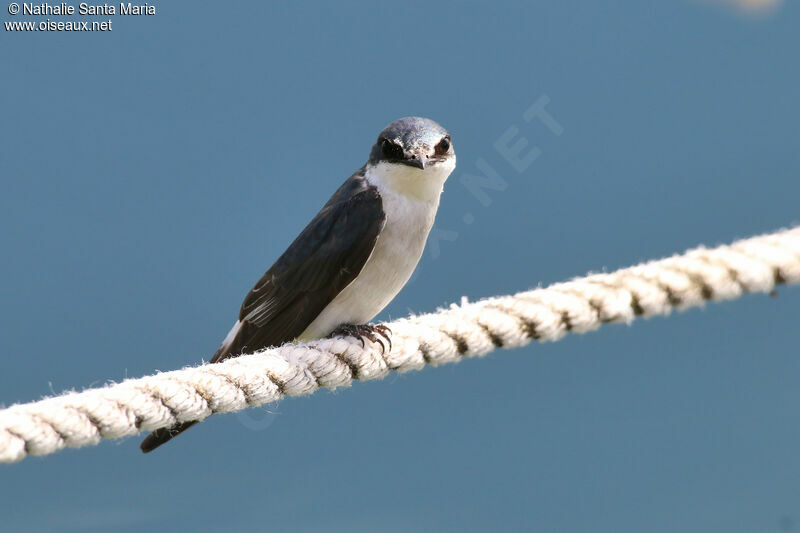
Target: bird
x=354, y=256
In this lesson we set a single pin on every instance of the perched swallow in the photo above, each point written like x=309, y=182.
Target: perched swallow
x=354, y=256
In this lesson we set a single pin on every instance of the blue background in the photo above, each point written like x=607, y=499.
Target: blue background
x=151, y=174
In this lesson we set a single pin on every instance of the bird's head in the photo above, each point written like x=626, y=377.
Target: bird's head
x=414, y=154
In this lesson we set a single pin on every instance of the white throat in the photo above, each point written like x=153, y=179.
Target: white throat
x=409, y=181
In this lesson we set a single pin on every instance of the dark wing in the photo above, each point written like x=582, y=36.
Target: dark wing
x=323, y=260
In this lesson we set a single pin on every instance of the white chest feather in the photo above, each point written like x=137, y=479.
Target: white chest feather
x=410, y=199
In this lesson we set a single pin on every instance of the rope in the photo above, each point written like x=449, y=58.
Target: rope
x=77, y=419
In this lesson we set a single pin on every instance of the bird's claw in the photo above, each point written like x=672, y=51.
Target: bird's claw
x=375, y=333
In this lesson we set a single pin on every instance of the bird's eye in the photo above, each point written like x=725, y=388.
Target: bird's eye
x=443, y=146
x=390, y=149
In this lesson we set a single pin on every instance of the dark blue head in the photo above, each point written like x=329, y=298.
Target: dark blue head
x=414, y=141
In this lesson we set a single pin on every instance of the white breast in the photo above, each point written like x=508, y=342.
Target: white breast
x=410, y=199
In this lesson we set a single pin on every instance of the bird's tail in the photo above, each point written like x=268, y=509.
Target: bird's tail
x=162, y=435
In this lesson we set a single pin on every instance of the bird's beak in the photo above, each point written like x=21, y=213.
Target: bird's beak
x=416, y=160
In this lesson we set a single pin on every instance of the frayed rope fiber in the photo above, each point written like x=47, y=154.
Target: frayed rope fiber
x=474, y=329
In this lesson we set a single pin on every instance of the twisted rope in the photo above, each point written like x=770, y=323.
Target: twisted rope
x=466, y=330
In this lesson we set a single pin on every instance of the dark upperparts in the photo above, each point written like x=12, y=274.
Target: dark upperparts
x=326, y=256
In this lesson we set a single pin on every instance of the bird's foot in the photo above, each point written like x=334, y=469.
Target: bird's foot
x=374, y=332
